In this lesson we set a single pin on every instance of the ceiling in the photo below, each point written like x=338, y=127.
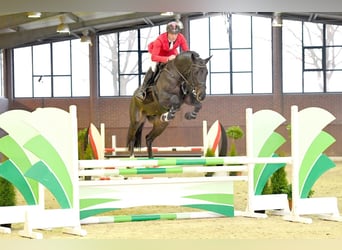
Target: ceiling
x=16, y=29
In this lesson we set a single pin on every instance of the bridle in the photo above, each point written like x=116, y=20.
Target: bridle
x=185, y=80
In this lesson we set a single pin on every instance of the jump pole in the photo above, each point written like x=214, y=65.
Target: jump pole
x=202, y=149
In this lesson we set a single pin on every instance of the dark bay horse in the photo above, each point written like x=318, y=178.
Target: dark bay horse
x=182, y=80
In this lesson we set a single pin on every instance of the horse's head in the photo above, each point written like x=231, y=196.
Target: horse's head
x=199, y=72
x=194, y=71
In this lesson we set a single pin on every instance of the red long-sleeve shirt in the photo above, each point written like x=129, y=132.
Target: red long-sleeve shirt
x=160, y=50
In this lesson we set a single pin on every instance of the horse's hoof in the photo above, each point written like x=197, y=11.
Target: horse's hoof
x=165, y=117
x=189, y=116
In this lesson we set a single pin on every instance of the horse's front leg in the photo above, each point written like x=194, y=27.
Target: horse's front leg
x=174, y=106
x=193, y=114
x=167, y=116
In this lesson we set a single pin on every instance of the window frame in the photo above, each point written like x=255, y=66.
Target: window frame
x=51, y=77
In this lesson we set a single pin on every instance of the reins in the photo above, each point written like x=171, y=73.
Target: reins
x=187, y=85
x=182, y=76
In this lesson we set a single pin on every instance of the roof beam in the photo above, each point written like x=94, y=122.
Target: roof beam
x=10, y=40
x=14, y=20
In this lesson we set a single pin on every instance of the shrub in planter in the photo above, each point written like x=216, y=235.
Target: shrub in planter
x=84, y=149
x=234, y=133
x=279, y=182
x=7, y=195
x=289, y=194
x=209, y=153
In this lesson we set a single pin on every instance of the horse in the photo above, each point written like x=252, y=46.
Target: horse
x=181, y=80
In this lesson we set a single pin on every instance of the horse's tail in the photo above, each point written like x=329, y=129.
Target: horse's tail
x=137, y=141
x=224, y=142
x=134, y=138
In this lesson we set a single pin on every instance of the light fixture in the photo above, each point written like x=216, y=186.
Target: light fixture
x=85, y=38
x=277, y=20
x=63, y=27
x=166, y=13
x=34, y=14
x=179, y=22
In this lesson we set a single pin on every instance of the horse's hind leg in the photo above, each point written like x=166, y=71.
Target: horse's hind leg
x=133, y=137
x=157, y=129
x=136, y=125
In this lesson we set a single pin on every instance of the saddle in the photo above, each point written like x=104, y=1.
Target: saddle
x=156, y=74
x=152, y=83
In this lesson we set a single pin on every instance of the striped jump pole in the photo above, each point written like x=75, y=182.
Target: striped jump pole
x=184, y=161
x=159, y=170
x=158, y=149
x=195, y=149
x=147, y=217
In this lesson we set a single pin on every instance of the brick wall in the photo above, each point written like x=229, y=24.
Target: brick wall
x=229, y=110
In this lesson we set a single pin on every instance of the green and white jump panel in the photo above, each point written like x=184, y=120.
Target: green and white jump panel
x=214, y=195
x=262, y=141
x=41, y=147
x=18, y=131
x=309, y=141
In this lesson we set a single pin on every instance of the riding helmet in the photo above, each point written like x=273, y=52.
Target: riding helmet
x=173, y=28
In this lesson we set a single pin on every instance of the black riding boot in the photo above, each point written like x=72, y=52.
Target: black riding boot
x=148, y=79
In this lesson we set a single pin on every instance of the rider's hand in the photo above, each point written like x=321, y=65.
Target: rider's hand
x=171, y=57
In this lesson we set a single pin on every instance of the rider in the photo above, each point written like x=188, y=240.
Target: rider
x=162, y=50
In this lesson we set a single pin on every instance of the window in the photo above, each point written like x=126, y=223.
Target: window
x=109, y=64
x=241, y=50
x=312, y=59
x=59, y=69
x=124, y=60
x=333, y=58
x=119, y=63
x=241, y=62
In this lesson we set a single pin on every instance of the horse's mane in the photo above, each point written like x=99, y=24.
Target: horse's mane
x=186, y=59
x=189, y=54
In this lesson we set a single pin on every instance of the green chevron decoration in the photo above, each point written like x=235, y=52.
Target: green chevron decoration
x=313, y=142
x=266, y=142
x=26, y=151
x=40, y=150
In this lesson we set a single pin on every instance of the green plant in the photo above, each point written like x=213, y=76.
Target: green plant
x=267, y=188
x=7, y=190
x=7, y=196
x=289, y=192
x=279, y=182
x=234, y=133
x=209, y=153
x=7, y=193
x=84, y=149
